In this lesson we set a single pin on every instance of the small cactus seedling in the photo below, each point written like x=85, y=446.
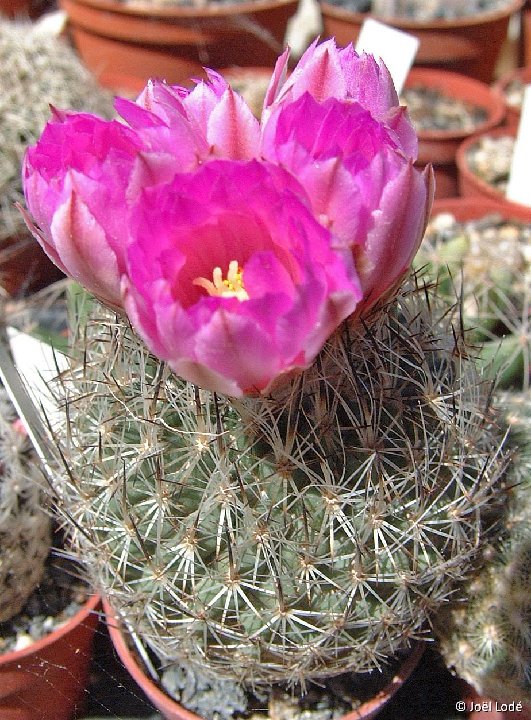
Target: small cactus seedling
x=487, y=261
x=291, y=536
x=25, y=526
x=488, y=639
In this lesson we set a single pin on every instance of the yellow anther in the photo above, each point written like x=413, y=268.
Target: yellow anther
x=232, y=286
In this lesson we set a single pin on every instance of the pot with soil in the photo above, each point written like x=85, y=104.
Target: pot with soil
x=47, y=618
x=445, y=108
x=125, y=43
x=250, y=509
x=46, y=671
x=484, y=165
x=464, y=37
x=346, y=697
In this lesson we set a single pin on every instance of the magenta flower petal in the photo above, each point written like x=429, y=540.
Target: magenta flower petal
x=327, y=71
x=287, y=291
x=335, y=124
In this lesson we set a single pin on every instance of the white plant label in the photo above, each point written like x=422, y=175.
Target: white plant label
x=395, y=47
x=519, y=185
x=38, y=364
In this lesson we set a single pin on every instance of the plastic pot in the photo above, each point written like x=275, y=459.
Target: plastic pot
x=171, y=710
x=439, y=147
x=471, y=185
x=469, y=45
x=126, y=44
x=47, y=680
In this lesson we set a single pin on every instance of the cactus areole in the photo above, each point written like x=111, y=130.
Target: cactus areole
x=277, y=459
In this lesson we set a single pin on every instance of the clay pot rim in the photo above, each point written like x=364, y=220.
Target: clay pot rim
x=216, y=10
x=465, y=208
x=89, y=606
x=463, y=88
x=165, y=704
x=440, y=24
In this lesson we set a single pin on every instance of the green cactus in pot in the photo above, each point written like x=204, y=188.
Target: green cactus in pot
x=488, y=640
x=25, y=525
x=279, y=458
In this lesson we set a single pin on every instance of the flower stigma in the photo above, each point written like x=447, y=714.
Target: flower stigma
x=231, y=287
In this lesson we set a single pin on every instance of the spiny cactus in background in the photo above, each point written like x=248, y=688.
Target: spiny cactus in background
x=38, y=70
x=488, y=262
x=488, y=639
x=291, y=536
x=25, y=527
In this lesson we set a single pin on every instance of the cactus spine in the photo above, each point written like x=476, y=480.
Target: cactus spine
x=25, y=527
x=488, y=640
x=292, y=536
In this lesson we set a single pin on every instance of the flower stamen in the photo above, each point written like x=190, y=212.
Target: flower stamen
x=230, y=287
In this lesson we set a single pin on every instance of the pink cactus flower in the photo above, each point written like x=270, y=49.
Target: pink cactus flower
x=231, y=279
x=84, y=174
x=235, y=284
x=74, y=182
x=336, y=125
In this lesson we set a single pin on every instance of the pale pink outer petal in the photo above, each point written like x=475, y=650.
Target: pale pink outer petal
x=232, y=130
x=237, y=348
x=82, y=247
x=326, y=70
x=278, y=79
x=399, y=225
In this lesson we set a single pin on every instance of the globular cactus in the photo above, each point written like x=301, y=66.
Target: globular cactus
x=38, y=70
x=291, y=536
x=488, y=639
x=25, y=526
x=488, y=263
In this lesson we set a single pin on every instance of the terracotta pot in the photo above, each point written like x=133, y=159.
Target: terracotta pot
x=465, y=208
x=469, y=45
x=47, y=680
x=25, y=9
x=24, y=266
x=525, y=36
x=125, y=45
x=171, y=710
x=439, y=147
x=470, y=185
x=523, y=75
x=14, y=8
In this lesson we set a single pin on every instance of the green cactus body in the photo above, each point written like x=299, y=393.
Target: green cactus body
x=487, y=261
x=488, y=640
x=25, y=527
x=286, y=537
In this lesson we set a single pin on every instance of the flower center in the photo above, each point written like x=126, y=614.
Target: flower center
x=231, y=287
